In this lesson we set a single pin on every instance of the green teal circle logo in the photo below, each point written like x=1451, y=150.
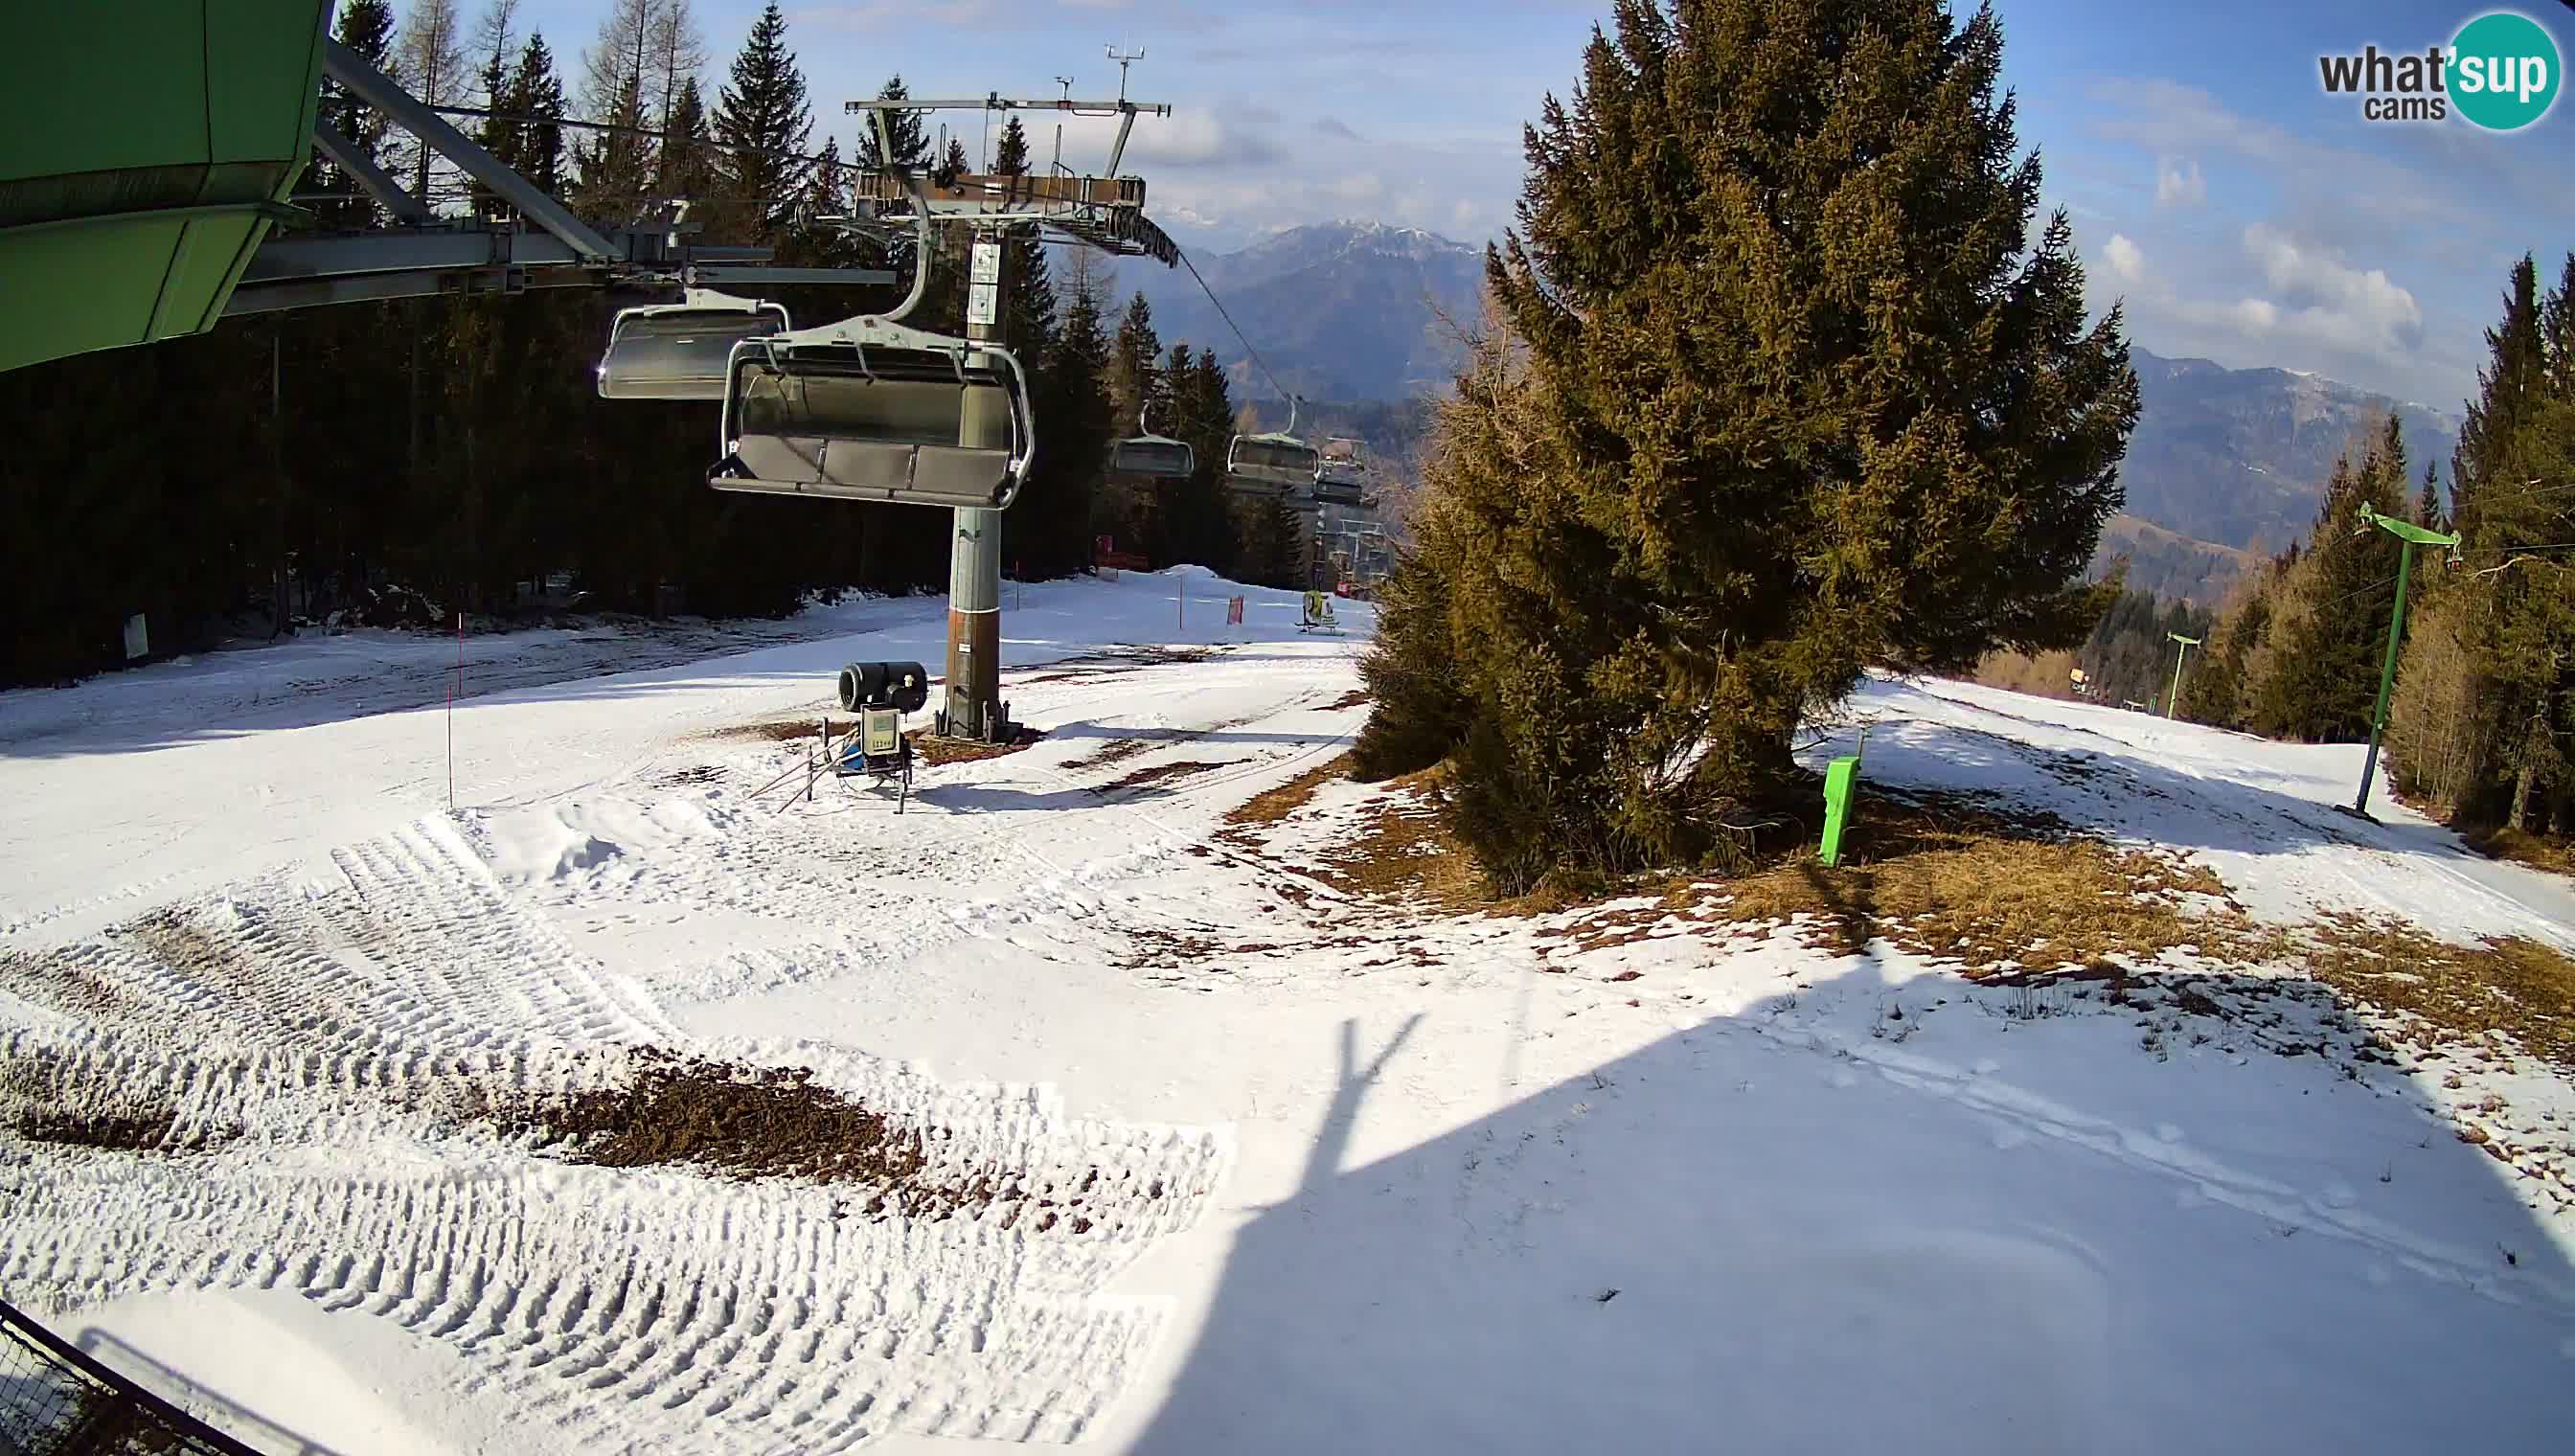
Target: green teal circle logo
x=2504, y=71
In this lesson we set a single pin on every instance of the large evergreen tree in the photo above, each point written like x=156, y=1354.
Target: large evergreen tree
x=1805, y=395
x=763, y=116
x=2322, y=681
x=2505, y=387
x=537, y=92
x=688, y=164
x=366, y=27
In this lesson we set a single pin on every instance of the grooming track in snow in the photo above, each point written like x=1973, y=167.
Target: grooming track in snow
x=408, y=1130
x=341, y=1022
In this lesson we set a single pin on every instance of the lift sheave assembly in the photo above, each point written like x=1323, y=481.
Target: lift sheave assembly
x=681, y=351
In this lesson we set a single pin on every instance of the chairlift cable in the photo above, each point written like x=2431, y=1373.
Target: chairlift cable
x=1257, y=362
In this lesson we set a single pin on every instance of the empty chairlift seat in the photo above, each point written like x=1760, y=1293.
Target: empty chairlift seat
x=1269, y=465
x=1341, y=476
x=870, y=411
x=679, y=351
x=1152, y=458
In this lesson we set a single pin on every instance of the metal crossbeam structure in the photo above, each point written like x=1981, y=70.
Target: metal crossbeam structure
x=1106, y=211
x=427, y=256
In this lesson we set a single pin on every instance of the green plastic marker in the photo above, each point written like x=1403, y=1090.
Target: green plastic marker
x=1841, y=780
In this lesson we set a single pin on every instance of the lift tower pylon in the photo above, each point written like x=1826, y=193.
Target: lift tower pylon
x=1106, y=213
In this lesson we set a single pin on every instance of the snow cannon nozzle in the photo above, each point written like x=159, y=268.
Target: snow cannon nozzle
x=903, y=687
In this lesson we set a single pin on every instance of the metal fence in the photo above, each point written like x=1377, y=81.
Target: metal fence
x=57, y=1401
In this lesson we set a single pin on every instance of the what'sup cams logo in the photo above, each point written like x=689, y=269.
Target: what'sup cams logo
x=2501, y=72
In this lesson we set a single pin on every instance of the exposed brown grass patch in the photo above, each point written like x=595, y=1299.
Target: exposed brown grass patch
x=1405, y=850
x=1352, y=699
x=1993, y=902
x=1157, y=773
x=1273, y=805
x=933, y=750
x=1116, y=750
x=2539, y=851
x=2510, y=984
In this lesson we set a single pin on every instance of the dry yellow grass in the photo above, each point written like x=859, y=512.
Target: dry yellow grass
x=1999, y=892
x=2539, y=851
x=2510, y=984
x=1272, y=804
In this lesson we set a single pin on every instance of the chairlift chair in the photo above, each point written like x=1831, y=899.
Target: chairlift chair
x=1146, y=455
x=679, y=351
x=1341, y=473
x=870, y=410
x=1273, y=465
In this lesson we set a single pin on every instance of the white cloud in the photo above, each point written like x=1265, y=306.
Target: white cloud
x=2179, y=184
x=2125, y=258
x=2312, y=307
x=2349, y=300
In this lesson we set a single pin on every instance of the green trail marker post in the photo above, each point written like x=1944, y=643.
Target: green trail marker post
x=2413, y=536
x=2172, y=704
x=1842, y=787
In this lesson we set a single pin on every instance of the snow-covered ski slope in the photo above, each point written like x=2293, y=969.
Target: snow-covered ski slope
x=1216, y=1156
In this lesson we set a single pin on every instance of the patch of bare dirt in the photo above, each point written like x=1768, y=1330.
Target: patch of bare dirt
x=1352, y=699
x=773, y=1122
x=53, y=979
x=46, y=1105
x=780, y=731
x=1157, y=773
x=1116, y=750
x=1120, y=660
x=744, y=1121
x=934, y=752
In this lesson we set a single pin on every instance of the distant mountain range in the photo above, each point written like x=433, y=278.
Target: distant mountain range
x=2240, y=455
x=2226, y=463
x=1341, y=310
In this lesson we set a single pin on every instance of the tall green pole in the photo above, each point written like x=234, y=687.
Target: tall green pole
x=2172, y=704
x=2413, y=536
x=2387, y=677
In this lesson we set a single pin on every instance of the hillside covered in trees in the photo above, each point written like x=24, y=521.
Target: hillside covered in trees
x=393, y=460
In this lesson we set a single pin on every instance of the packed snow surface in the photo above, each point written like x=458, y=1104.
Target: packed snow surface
x=1211, y=1155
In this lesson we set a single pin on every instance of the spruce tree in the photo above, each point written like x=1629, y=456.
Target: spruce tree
x=535, y=91
x=497, y=135
x=616, y=167
x=2519, y=617
x=366, y=27
x=2509, y=380
x=763, y=115
x=1807, y=397
x=1132, y=379
x=1011, y=155
x=2322, y=683
x=1076, y=415
x=688, y=166
x=2427, y=506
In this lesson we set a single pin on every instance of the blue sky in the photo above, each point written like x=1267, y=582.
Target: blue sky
x=2241, y=213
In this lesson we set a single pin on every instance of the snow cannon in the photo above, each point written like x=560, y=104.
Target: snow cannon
x=901, y=686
